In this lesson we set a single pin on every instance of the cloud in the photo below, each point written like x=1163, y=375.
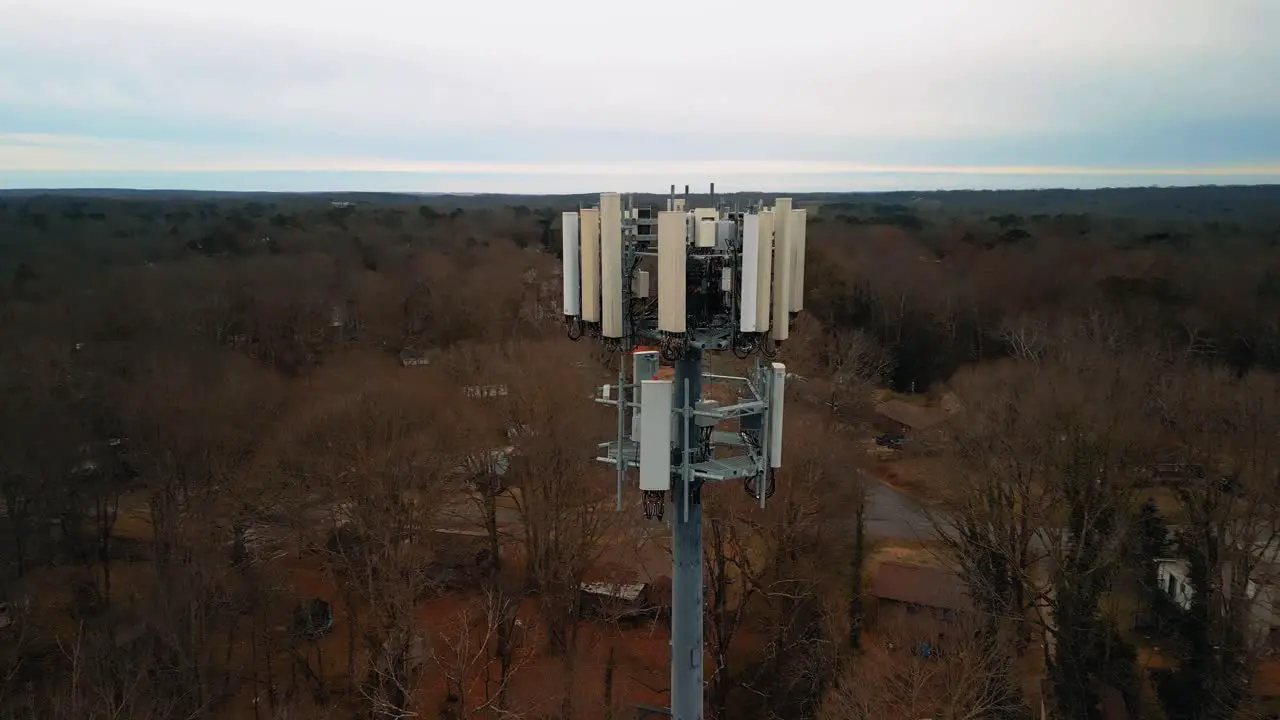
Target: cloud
x=290, y=85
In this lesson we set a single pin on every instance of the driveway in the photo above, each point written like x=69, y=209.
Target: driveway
x=892, y=515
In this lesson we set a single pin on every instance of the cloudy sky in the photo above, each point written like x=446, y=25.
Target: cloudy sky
x=566, y=95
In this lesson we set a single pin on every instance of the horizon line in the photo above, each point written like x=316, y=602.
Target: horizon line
x=348, y=191
x=633, y=168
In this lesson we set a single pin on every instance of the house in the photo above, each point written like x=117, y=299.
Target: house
x=1173, y=576
x=619, y=602
x=1262, y=592
x=904, y=417
x=902, y=590
x=460, y=558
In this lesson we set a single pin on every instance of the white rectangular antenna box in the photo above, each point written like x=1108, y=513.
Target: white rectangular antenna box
x=656, y=397
x=706, y=233
x=764, y=280
x=640, y=284
x=644, y=366
x=570, y=255
x=750, y=272
x=589, y=220
x=611, y=264
x=795, y=236
x=777, y=391
x=781, y=269
x=673, y=241
x=726, y=233
x=705, y=213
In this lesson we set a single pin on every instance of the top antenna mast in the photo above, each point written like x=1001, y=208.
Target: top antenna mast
x=727, y=280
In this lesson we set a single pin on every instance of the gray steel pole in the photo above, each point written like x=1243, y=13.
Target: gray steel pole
x=686, y=551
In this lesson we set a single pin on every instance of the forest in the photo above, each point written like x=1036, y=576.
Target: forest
x=324, y=456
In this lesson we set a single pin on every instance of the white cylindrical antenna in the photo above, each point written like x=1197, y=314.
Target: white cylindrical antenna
x=673, y=240
x=777, y=390
x=656, y=398
x=570, y=257
x=748, y=305
x=796, y=236
x=611, y=264
x=764, y=279
x=644, y=366
x=781, y=269
x=589, y=219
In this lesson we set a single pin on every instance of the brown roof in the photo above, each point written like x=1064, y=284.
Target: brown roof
x=913, y=416
x=928, y=586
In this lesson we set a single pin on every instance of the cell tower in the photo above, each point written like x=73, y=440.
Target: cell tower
x=728, y=279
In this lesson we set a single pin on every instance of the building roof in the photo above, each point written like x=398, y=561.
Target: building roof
x=919, y=585
x=629, y=592
x=913, y=416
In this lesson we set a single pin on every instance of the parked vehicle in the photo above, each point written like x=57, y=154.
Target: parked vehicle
x=893, y=441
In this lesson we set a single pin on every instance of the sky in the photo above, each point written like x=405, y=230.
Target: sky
x=575, y=96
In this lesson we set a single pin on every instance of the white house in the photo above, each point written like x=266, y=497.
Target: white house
x=1262, y=592
x=1174, y=578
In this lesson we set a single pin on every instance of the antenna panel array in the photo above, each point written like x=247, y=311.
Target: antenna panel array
x=796, y=236
x=781, y=268
x=672, y=248
x=571, y=257
x=611, y=264
x=590, y=222
x=656, y=398
x=777, y=389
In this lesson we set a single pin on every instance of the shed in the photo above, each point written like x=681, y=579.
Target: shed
x=901, y=589
x=906, y=416
x=618, y=601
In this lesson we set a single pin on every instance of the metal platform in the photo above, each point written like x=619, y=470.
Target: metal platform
x=728, y=439
x=630, y=453
x=728, y=412
x=733, y=468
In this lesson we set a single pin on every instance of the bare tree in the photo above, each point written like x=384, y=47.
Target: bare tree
x=465, y=657
x=1222, y=432
x=562, y=496
x=1026, y=337
x=767, y=565
x=368, y=469
x=895, y=679
x=994, y=515
x=1037, y=522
